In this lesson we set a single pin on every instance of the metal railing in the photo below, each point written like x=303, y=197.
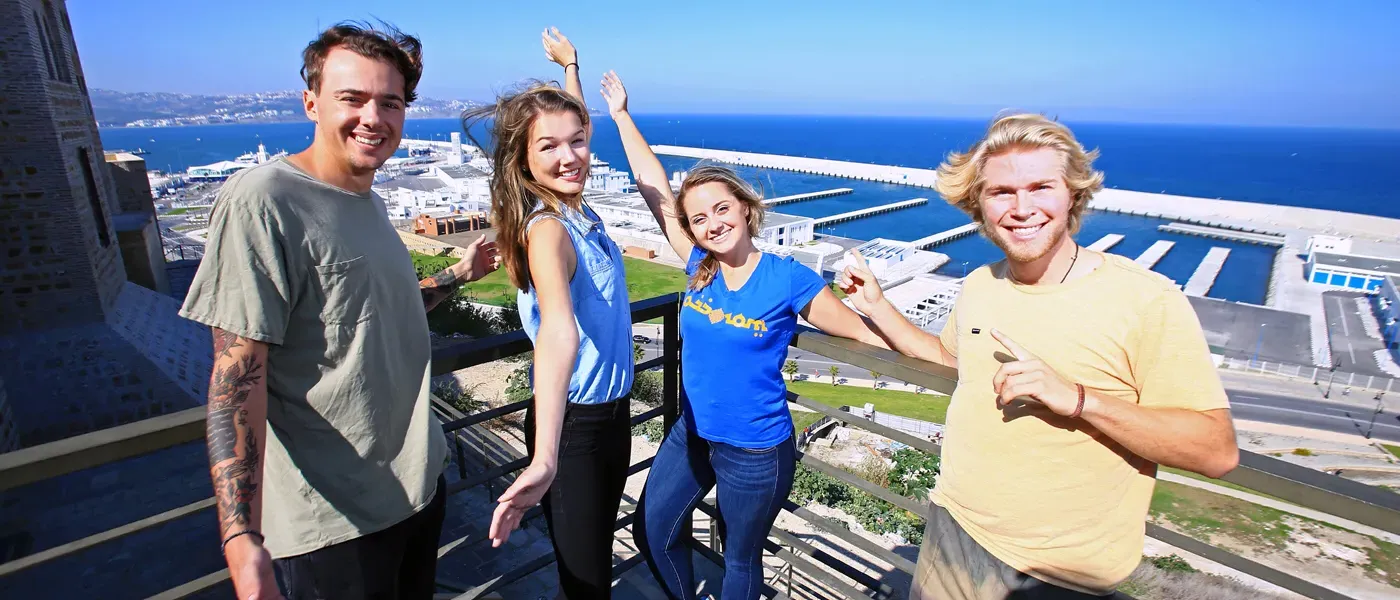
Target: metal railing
x=837, y=577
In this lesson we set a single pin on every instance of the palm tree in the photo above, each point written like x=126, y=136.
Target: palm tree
x=835, y=370
x=790, y=369
x=876, y=377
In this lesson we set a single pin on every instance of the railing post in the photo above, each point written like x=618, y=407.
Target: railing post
x=670, y=378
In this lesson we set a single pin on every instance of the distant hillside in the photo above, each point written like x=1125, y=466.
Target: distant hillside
x=161, y=109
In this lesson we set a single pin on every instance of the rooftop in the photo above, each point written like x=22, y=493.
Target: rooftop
x=419, y=184
x=462, y=171
x=1362, y=263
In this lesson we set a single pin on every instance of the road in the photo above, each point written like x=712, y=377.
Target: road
x=1314, y=414
x=1352, y=347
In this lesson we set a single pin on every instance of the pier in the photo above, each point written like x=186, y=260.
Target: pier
x=1205, y=274
x=1106, y=242
x=865, y=212
x=925, y=243
x=816, y=166
x=807, y=196
x=1265, y=239
x=1149, y=258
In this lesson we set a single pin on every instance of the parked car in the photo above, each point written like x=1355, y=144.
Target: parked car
x=641, y=339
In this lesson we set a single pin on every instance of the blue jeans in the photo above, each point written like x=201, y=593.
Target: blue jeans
x=752, y=486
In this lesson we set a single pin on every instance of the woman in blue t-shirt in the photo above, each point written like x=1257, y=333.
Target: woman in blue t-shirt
x=739, y=314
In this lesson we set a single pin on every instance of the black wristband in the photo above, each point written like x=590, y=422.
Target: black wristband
x=566, y=67
x=224, y=546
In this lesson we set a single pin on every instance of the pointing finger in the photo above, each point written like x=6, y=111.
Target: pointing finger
x=1015, y=349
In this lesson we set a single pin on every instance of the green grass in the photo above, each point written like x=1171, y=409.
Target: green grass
x=1392, y=449
x=644, y=280
x=178, y=211
x=801, y=420
x=925, y=407
x=1204, y=513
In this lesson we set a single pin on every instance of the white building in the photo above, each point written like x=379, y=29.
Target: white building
x=1350, y=271
x=601, y=176
x=882, y=254
x=218, y=171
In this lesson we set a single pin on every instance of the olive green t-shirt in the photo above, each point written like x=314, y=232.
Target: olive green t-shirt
x=319, y=274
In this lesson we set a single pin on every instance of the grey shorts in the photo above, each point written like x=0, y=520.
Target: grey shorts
x=954, y=567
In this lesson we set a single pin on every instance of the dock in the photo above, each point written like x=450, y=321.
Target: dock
x=1149, y=258
x=925, y=243
x=865, y=212
x=1265, y=239
x=799, y=164
x=807, y=196
x=1205, y=274
x=1106, y=242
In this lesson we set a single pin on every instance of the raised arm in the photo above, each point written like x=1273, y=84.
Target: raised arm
x=646, y=168
x=558, y=49
x=552, y=263
x=481, y=259
x=863, y=289
x=236, y=434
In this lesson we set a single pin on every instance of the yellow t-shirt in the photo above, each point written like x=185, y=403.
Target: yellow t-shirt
x=1050, y=496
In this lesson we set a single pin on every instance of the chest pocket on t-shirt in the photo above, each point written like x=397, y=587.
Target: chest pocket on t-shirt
x=602, y=271
x=343, y=291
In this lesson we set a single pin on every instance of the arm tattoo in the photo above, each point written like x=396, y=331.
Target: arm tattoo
x=232, y=465
x=437, y=288
x=224, y=342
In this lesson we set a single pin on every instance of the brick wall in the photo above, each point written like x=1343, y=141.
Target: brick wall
x=57, y=270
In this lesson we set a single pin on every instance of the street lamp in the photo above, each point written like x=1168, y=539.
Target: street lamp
x=964, y=269
x=1259, y=344
x=1332, y=373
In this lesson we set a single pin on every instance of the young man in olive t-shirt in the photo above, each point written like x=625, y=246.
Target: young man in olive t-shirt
x=324, y=453
x=1078, y=373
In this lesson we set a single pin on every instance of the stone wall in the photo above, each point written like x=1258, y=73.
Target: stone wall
x=61, y=264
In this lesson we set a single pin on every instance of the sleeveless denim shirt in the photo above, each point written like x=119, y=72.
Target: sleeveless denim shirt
x=603, y=371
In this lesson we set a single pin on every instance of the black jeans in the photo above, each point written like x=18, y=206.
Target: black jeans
x=398, y=563
x=595, y=448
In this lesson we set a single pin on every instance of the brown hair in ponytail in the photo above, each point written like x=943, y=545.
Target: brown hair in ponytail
x=741, y=190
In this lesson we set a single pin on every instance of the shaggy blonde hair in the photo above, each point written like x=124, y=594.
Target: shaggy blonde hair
x=960, y=179
x=741, y=190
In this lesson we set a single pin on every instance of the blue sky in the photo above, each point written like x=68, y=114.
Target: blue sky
x=1246, y=62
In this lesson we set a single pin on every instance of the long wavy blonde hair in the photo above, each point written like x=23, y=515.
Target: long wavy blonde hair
x=741, y=190
x=514, y=190
x=960, y=178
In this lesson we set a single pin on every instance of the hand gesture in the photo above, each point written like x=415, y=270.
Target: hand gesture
x=250, y=568
x=1031, y=380
x=558, y=48
x=614, y=93
x=526, y=492
x=483, y=258
x=860, y=284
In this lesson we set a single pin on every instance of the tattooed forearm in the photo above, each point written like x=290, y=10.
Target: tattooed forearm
x=439, y=287
x=234, y=428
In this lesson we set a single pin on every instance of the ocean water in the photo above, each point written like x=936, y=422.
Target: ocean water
x=1346, y=170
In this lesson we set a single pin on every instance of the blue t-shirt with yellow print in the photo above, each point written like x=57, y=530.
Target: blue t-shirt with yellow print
x=734, y=346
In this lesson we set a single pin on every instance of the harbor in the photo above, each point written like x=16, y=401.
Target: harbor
x=1106, y=242
x=1204, y=276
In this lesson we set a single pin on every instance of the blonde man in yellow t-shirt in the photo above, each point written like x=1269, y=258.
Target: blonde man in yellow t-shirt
x=1078, y=373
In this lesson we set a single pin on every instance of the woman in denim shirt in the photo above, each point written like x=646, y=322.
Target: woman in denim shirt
x=573, y=305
